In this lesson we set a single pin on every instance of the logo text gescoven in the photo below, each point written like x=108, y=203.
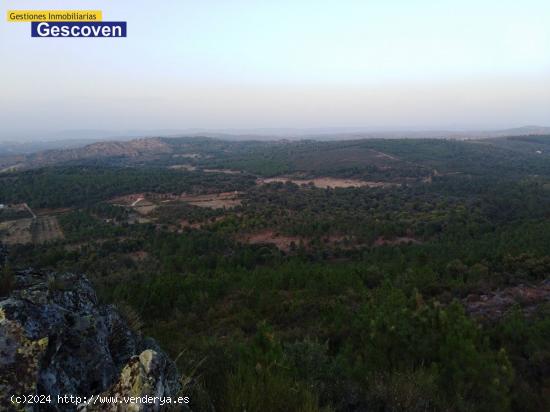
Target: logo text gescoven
x=79, y=29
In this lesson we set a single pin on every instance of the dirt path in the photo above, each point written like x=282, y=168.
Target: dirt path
x=136, y=202
x=30, y=210
x=382, y=154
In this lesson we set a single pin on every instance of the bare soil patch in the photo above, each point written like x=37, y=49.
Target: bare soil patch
x=144, y=203
x=16, y=231
x=225, y=171
x=282, y=242
x=139, y=202
x=139, y=256
x=225, y=200
x=495, y=304
x=42, y=229
x=189, y=168
x=384, y=155
x=127, y=200
x=186, y=223
x=403, y=240
x=326, y=182
x=46, y=229
x=15, y=212
x=144, y=207
x=188, y=155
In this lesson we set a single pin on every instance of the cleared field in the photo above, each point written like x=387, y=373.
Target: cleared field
x=145, y=203
x=14, y=212
x=282, y=242
x=128, y=200
x=143, y=206
x=39, y=229
x=188, y=155
x=404, y=240
x=225, y=200
x=326, y=182
x=225, y=171
x=46, y=229
x=16, y=231
x=285, y=243
x=189, y=168
x=138, y=202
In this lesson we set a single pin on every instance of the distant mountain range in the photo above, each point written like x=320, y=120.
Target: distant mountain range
x=14, y=156
x=78, y=138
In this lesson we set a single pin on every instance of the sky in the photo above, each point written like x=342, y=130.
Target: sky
x=220, y=64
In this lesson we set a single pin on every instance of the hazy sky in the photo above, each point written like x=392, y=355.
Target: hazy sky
x=379, y=64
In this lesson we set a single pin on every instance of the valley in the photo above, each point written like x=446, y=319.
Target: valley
x=323, y=269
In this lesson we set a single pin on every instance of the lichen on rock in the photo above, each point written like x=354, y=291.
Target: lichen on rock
x=56, y=339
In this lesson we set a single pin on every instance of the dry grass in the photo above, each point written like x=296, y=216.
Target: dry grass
x=16, y=231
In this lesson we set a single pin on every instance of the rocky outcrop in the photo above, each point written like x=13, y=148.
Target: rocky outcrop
x=56, y=340
x=145, y=377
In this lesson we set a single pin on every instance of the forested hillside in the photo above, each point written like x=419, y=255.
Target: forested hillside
x=383, y=275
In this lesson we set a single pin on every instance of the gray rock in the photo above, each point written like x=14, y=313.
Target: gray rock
x=55, y=339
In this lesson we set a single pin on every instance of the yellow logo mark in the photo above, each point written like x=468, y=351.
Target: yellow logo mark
x=26, y=16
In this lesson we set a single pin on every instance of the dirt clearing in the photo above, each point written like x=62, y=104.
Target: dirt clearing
x=144, y=207
x=46, y=229
x=224, y=171
x=404, y=240
x=226, y=200
x=16, y=231
x=282, y=242
x=188, y=168
x=326, y=182
x=138, y=202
